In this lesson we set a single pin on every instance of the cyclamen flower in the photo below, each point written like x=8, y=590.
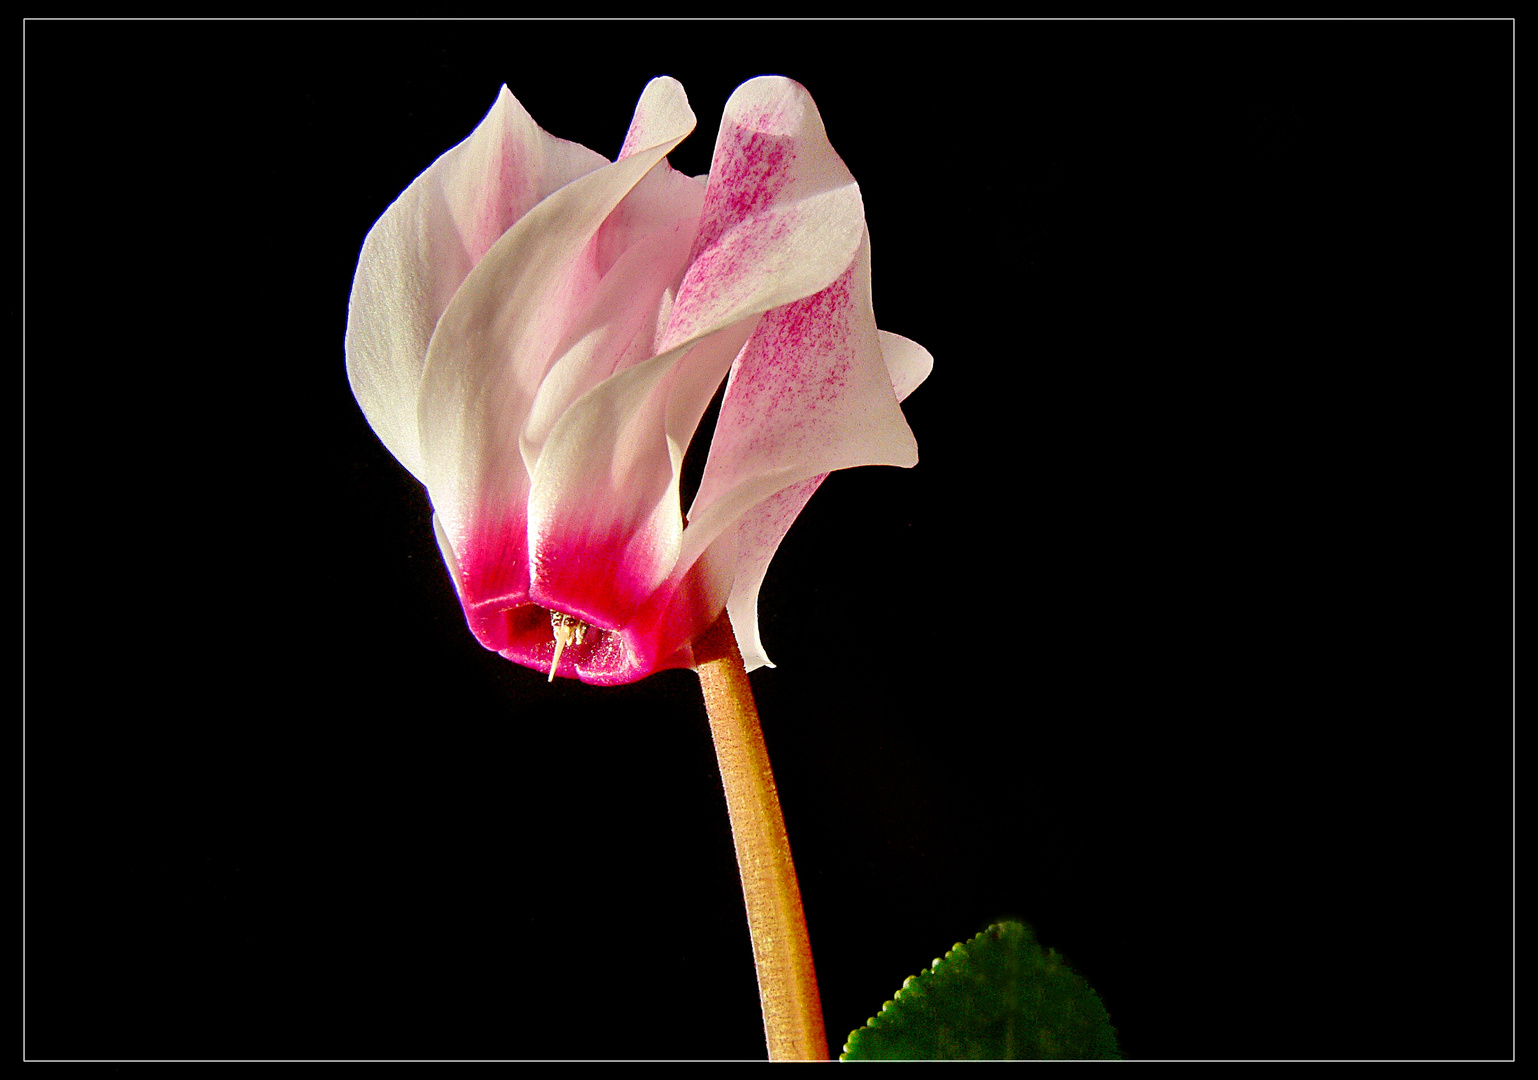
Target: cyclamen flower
x=535, y=332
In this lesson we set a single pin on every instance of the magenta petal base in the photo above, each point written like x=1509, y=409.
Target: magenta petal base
x=535, y=331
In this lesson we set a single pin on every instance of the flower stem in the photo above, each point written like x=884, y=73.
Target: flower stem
x=782, y=952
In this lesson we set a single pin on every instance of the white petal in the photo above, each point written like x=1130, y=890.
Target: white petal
x=614, y=328
x=497, y=338
x=450, y=559
x=419, y=253
x=782, y=218
x=604, y=521
x=908, y=362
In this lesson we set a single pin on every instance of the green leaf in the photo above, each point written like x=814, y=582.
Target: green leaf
x=998, y=996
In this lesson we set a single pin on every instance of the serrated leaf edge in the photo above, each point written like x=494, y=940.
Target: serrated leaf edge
x=959, y=947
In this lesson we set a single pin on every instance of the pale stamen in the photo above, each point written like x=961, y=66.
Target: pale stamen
x=567, y=631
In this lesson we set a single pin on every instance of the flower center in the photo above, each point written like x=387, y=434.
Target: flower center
x=568, y=630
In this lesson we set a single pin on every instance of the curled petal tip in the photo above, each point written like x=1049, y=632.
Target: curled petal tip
x=536, y=332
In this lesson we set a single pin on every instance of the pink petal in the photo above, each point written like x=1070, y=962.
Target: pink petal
x=816, y=389
x=782, y=219
x=809, y=394
x=423, y=247
x=639, y=255
x=604, y=516
x=541, y=293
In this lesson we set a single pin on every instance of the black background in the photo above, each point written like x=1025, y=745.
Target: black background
x=1188, y=641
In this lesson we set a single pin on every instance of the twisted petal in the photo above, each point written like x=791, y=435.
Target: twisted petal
x=816, y=389
x=424, y=246
x=564, y=289
x=781, y=220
